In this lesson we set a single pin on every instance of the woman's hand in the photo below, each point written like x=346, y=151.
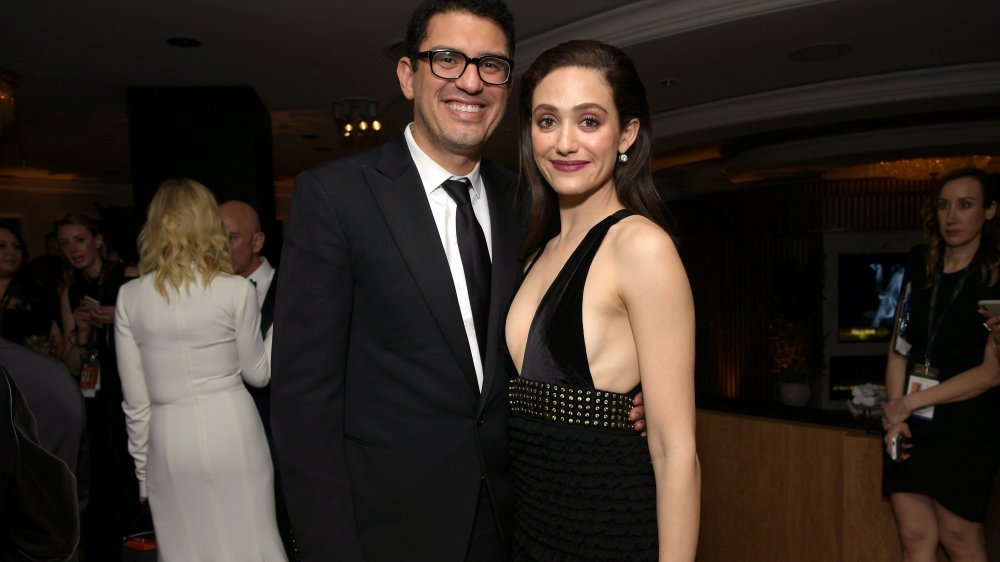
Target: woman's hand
x=895, y=412
x=891, y=433
x=83, y=318
x=992, y=324
x=103, y=315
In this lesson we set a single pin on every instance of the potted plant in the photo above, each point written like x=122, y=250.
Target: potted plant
x=789, y=353
x=795, y=332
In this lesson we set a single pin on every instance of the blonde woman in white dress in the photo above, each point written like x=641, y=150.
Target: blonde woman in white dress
x=188, y=335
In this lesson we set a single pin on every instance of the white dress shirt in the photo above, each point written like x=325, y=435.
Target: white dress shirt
x=444, y=209
x=261, y=277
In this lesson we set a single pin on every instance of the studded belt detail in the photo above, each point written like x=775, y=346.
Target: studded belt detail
x=574, y=406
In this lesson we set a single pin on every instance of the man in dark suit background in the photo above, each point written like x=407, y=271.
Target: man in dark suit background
x=54, y=397
x=389, y=405
x=42, y=438
x=246, y=240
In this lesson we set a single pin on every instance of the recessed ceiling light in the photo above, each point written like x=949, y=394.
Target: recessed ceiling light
x=183, y=42
x=820, y=53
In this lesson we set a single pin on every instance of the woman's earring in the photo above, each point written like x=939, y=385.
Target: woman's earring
x=623, y=158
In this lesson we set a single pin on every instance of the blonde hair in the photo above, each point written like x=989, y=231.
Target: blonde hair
x=184, y=236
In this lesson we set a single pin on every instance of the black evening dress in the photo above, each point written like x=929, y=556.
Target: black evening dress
x=955, y=456
x=113, y=506
x=582, y=476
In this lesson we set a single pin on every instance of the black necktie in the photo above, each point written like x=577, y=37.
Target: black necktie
x=475, y=257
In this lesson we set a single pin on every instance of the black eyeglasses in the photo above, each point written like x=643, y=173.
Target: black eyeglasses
x=449, y=64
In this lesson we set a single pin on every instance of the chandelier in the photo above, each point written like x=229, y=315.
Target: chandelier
x=357, y=120
x=8, y=81
x=915, y=168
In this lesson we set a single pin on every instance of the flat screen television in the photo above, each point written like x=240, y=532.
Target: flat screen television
x=846, y=372
x=868, y=290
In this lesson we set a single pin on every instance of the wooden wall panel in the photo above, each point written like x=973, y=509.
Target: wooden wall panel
x=769, y=490
x=868, y=520
x=781, y=491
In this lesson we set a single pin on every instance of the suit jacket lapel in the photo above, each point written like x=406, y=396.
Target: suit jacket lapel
x=505, y=234
x=397, y=189
x=267, y=309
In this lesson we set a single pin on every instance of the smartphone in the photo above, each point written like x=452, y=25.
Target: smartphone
x=991, y=307
x=897, y=447
x=91, y=302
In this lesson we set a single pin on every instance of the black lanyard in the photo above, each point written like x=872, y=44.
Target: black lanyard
x=936, y=327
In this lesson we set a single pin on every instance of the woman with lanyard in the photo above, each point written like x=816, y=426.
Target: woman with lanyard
x=942, y=376
x=89, y=313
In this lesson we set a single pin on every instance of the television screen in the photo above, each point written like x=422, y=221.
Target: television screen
x=868, y=289
x=846, y=372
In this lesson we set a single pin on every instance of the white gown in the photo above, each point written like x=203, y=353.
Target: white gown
x=198, y=443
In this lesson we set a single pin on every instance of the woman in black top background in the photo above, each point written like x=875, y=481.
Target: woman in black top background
x=940, y=487
x=89, y=312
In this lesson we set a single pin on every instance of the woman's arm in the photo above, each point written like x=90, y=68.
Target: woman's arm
x=895, y=368
x=657, y=296
x=250, y=349
x=963, y=386
x=136, y=403
x=71, y=350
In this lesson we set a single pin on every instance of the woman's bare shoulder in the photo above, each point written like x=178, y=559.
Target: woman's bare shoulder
x=638, y=241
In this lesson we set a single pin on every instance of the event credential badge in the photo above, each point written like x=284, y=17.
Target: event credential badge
x=923, y=377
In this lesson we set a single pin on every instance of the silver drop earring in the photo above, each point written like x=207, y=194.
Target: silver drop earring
x=623, y=158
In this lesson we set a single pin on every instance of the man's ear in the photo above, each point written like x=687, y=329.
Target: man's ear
x=258, y=242
x=404, y=71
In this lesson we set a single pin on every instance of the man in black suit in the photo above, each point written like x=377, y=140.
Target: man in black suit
x=54, y=397
x=246, y=240
x=388, y=399
x=43, y=484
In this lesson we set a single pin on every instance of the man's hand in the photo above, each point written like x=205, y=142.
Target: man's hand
x=637, y=415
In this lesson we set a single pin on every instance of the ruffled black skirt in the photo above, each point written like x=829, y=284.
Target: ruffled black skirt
x=583, y=493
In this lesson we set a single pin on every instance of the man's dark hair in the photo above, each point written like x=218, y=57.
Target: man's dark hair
x=493, y=10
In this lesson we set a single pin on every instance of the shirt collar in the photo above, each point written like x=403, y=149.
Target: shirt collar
x=263, y=272
x=432, y=175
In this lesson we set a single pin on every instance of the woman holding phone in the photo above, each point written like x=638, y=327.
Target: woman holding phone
x=942, y=376
x=88, y=310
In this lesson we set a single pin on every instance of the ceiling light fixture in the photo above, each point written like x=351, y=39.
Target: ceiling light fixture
x=8, y=82
x=183, y=42
x=357, y=119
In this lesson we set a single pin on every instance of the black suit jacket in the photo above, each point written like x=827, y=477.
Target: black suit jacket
x=383, y=437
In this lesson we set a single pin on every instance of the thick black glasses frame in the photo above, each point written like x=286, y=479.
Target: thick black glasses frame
x=429, y=55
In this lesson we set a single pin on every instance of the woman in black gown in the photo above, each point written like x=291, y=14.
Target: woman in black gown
x=940, y=488
x=89, y=313
x=604, y=308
